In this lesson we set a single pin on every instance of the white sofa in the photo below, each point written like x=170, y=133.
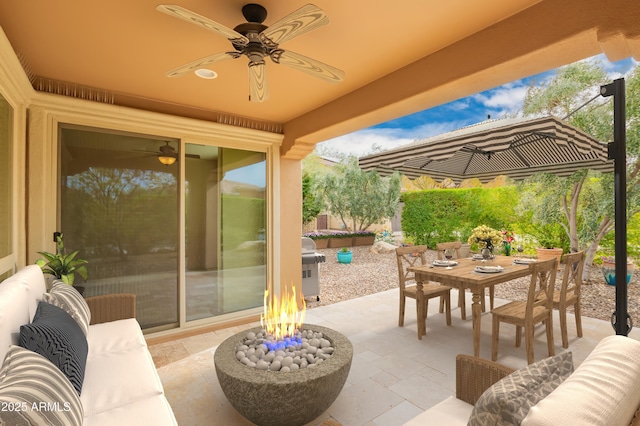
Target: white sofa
x=603, y=390
x=121, y=385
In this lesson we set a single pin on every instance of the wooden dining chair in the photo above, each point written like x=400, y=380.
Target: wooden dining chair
x=569, y=293
x=538, y=308
x=415, y=256
x=456, y=246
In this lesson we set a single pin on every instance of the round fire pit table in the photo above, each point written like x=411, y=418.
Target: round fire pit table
x=275, y=398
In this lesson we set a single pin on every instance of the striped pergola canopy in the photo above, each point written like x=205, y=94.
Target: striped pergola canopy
x=514, y=147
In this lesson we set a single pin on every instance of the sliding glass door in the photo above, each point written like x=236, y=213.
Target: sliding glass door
x=225, y=230
x=123, y=198
x=7, y=260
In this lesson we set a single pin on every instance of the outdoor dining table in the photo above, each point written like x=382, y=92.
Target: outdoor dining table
x=463, y=276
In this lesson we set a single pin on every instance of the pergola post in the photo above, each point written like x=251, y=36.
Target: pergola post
x=617, y=151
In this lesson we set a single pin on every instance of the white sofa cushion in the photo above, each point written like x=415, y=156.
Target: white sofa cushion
x=449, y=412
x=154, y=411
x=113, y=380
x=604, y=389
x=115, y=336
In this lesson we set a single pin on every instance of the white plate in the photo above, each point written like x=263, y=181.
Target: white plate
x=444, y=263
x=488, y=269
x=524, y=261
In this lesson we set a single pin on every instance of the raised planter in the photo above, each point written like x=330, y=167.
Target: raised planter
x=321, y=243
x=366, y=240
x=337, y=242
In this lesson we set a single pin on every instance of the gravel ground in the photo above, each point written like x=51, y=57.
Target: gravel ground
x=371, y=273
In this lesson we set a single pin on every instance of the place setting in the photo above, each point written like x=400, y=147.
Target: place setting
x=524, y=261
x=485, y=269
x=447, y=264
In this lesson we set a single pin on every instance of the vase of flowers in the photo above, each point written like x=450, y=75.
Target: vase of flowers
x=507, y=239
x=485, y=237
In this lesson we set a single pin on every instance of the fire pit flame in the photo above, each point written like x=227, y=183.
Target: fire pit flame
x=282, y=318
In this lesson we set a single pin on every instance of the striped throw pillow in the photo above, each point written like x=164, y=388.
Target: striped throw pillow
x=33, y=391
x=66, y=297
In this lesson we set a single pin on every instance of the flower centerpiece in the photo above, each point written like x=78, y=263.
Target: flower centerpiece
x=485, y=236
x=507, y=239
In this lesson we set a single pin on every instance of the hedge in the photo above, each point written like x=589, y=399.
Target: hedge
x=439, y=215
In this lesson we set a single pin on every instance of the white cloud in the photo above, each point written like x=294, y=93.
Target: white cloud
x=504, y=100
x=364, y=141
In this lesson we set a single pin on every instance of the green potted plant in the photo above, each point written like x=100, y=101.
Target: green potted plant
x=548, y=248
x=345, y=255
x=63, y=266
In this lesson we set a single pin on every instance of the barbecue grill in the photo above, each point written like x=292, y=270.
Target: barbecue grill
x=310, y=260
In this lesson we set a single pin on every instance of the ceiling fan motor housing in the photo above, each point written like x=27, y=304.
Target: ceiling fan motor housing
x=253, y=12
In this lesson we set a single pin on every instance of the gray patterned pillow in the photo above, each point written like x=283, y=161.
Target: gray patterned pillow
x=34, y=392
x=66, y=297
x=508, y=401
x=56, y=336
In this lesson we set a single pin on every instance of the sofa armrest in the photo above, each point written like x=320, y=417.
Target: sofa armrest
x=475, y=375
x=111, y=307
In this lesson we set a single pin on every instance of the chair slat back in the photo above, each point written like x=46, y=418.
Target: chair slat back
x=407, y=257
x=542, y=286
x=455, y=245
x=572, y=276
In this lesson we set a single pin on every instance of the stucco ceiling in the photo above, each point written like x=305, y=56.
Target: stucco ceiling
x=392, y=53
x=125, y=47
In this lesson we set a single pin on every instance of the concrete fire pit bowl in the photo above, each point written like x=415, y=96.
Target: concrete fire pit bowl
x=275, y=398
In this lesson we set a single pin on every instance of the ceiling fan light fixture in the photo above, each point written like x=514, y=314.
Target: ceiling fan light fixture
x=206, y=74
x=166, y=160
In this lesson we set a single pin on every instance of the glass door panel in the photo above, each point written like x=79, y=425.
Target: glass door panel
x=225, y=230
x=6, y=193
x=119, y=207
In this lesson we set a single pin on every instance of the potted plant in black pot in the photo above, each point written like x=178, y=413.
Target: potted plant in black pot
x=63, y=266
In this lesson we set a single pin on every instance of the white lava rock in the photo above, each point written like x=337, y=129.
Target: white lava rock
x=275, y=366
x=287, y=362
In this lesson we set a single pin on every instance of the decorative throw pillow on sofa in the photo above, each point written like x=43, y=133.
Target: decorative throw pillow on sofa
x=66, y=297
x=508, y=401
x=34, y=392
x=56, y=336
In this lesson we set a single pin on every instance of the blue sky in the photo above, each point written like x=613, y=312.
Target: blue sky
x=498, y=102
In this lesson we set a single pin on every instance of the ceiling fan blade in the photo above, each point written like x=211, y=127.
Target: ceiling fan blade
x=308, y=65
x=305, y=19
x=189, y=16
x=259, y=91
x=201, y=63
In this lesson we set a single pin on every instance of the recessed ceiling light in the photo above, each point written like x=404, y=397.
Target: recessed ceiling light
x=205, y=73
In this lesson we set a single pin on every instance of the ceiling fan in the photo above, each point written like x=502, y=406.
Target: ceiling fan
x=167, y=154
x=257, y=41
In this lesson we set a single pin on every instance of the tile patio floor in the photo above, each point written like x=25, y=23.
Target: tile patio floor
x=394, y=376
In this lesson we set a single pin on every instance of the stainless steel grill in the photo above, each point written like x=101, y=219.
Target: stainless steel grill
x=310, y=260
